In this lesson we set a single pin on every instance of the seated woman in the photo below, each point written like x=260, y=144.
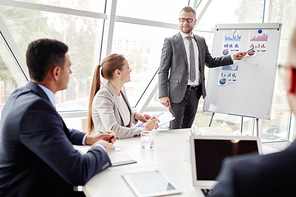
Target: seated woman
x=109, y=108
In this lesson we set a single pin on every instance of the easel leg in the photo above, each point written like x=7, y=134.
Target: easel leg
x=257, y=126
x=242, y=125
x=211, y=119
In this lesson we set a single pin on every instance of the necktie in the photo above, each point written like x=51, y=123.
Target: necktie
x=192, y=59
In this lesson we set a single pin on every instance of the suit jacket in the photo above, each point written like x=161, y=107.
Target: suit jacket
x=173, y=70
x=107, y=116
x=255, y=175
x=37, y=157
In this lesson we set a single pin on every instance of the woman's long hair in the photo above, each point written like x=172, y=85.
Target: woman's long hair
x=108, y=65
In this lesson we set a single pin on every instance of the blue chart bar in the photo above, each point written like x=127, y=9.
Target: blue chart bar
x=234, y=38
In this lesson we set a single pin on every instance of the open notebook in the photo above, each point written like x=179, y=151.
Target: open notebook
x=118, y=157
x=208, y=152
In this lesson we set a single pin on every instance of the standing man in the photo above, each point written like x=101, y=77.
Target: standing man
x=265, y=175
x=37, y=157
x=181, y=71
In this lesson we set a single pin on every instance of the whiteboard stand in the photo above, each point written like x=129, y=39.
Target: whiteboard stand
x=246, y=88
x=211, y=119
x=242, y=124
x=256, y=123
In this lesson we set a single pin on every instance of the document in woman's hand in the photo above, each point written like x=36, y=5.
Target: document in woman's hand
x=163, y=118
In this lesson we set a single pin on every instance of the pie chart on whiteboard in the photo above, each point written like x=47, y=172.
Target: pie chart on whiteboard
x=225, y=52
x=222, y=81
x=251, y=53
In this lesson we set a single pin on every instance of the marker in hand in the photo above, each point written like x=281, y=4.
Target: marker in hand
x=250, y=49
x=104, y=132
x=251, y=52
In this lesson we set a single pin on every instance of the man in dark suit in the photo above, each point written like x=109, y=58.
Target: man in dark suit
x=37, y=157
x=266, y=175
x=181, y=75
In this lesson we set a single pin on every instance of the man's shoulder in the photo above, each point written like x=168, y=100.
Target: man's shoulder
x=198, y=37
x=21, y=96
x=21, y=103
x=173, y=37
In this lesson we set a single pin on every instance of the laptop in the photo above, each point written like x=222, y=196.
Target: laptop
x=208, y=152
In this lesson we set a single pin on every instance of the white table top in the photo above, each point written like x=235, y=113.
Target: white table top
x=168, y=156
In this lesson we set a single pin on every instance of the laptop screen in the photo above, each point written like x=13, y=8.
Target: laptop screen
x=210, y=152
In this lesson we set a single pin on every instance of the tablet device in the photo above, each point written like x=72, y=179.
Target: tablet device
x=149, y=183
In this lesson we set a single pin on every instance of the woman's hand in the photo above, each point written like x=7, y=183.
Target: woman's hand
x=152, y=123
x=142, y=117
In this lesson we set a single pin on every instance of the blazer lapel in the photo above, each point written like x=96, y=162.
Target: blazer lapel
x=111, y=89
x=124, y=96
x=180, y=45
x=65, y=129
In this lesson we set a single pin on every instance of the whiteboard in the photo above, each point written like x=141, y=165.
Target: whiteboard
x=245, y=88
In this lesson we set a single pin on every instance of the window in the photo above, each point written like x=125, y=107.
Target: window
x=11, y=76
x=141, y=45
x=81, y=34
x=89, y=5
x=161, y=11
x=277, y=128
x=243, y=11
x=142, y=49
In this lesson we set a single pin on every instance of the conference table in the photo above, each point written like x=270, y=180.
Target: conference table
x=169, y=156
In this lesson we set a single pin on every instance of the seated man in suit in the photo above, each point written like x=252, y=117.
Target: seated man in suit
x=266, y=175
x=37, y=157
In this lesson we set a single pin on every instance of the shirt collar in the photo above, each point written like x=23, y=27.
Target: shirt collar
x=49, y=93
x=185, y=35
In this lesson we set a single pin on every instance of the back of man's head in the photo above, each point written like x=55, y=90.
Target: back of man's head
x=42, y=55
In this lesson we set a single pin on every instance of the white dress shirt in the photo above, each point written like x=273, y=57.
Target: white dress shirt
x=196, y=52
x=196, y=56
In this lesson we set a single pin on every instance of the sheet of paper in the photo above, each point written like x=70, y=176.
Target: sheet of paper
x=163, y=118
x=117, y=157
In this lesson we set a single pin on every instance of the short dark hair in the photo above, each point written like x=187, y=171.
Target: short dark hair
x=44, y=54
x=188, y=9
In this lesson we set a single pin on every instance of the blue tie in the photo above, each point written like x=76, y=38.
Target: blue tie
x=192, y=60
